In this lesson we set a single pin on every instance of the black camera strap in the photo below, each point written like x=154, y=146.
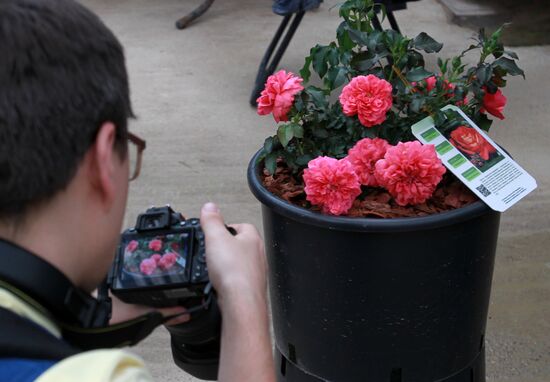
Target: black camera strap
x=82, y=318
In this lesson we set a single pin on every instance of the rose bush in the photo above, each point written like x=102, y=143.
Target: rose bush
x=383, y=87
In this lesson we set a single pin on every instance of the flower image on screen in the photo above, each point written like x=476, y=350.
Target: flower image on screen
x=159, y=255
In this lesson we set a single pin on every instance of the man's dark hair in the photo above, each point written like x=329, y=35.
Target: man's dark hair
x=62, y=74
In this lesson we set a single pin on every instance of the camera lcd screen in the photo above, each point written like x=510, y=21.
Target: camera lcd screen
x=153, y=260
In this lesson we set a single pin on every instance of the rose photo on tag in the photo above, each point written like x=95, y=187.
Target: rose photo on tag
x=478, y=150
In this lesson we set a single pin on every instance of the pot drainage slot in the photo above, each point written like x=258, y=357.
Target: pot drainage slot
x=291, y=353
x=482, y=342
x=396, y=375
x=283, y=365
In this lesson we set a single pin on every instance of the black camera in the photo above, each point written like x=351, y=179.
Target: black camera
x=161, y=262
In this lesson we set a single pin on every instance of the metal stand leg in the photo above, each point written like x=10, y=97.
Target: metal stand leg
x=201, y=9
x=270, y=61
x=393, y=21
x=389, y=13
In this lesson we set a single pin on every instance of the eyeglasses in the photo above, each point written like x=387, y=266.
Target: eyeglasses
x=136, y=145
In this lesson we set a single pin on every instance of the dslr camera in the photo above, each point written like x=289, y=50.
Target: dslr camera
x=161, y=263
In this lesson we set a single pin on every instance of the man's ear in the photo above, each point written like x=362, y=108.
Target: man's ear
x=103, y=160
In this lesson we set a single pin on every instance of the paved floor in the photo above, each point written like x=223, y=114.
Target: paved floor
x=190, y=91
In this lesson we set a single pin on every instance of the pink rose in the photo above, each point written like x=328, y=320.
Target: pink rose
x=430, y=83
x=168, y=260
x=155, y=245
x=331, y=184
x=156, y=257
x=494, y=103
x=278, y=95
x=364, y=155
x=132, y=246
x=369, y=97
x=410, y=172
x=148, y=266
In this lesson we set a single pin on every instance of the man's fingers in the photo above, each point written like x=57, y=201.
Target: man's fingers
x=212, y=221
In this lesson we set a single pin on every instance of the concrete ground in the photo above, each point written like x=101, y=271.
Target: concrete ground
x=190, y=91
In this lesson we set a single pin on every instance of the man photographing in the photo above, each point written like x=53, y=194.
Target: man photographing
x=64, y=170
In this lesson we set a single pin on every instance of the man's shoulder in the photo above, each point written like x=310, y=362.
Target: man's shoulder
x=108, y=365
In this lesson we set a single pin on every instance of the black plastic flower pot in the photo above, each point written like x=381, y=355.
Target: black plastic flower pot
x=378, y=300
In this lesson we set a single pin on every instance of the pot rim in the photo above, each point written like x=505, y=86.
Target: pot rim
x=305, y=216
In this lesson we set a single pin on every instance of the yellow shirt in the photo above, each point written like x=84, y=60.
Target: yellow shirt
x=108, y=365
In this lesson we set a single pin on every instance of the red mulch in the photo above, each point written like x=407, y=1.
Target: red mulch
x=373, y=202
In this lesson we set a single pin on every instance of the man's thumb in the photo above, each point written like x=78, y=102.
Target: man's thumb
x=212, y=221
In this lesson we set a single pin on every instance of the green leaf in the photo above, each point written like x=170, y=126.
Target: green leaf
x=303, y=160
x=484, y=73
x=457, y=61
x=298, y=130
x=417, y=104
x=484, y=122
x=415, y=59
x=317, y=95
x=341, y=78
x=342, y=34
x=268, y=145
x=511, y=54
x=369, y=133
x=305, y=73
x=471, y=47
x=366, y=64
x=320, y=64
x=358, y=37
x=392, y=38
x=510, y=66
x=439, y=118
x=299, y=102
x=346, y=58
x=418, y=74
x=374, y=39
x=271, y=163
x=333, y=56
x=285, y=134
x=426, y=43
x=482, y=37
x=498, y=50
x=320, y=133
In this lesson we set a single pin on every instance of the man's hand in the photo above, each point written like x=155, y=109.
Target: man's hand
x=237, y=268
x=236, y=264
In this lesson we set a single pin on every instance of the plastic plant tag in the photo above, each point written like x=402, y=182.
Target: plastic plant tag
x=475, y=159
